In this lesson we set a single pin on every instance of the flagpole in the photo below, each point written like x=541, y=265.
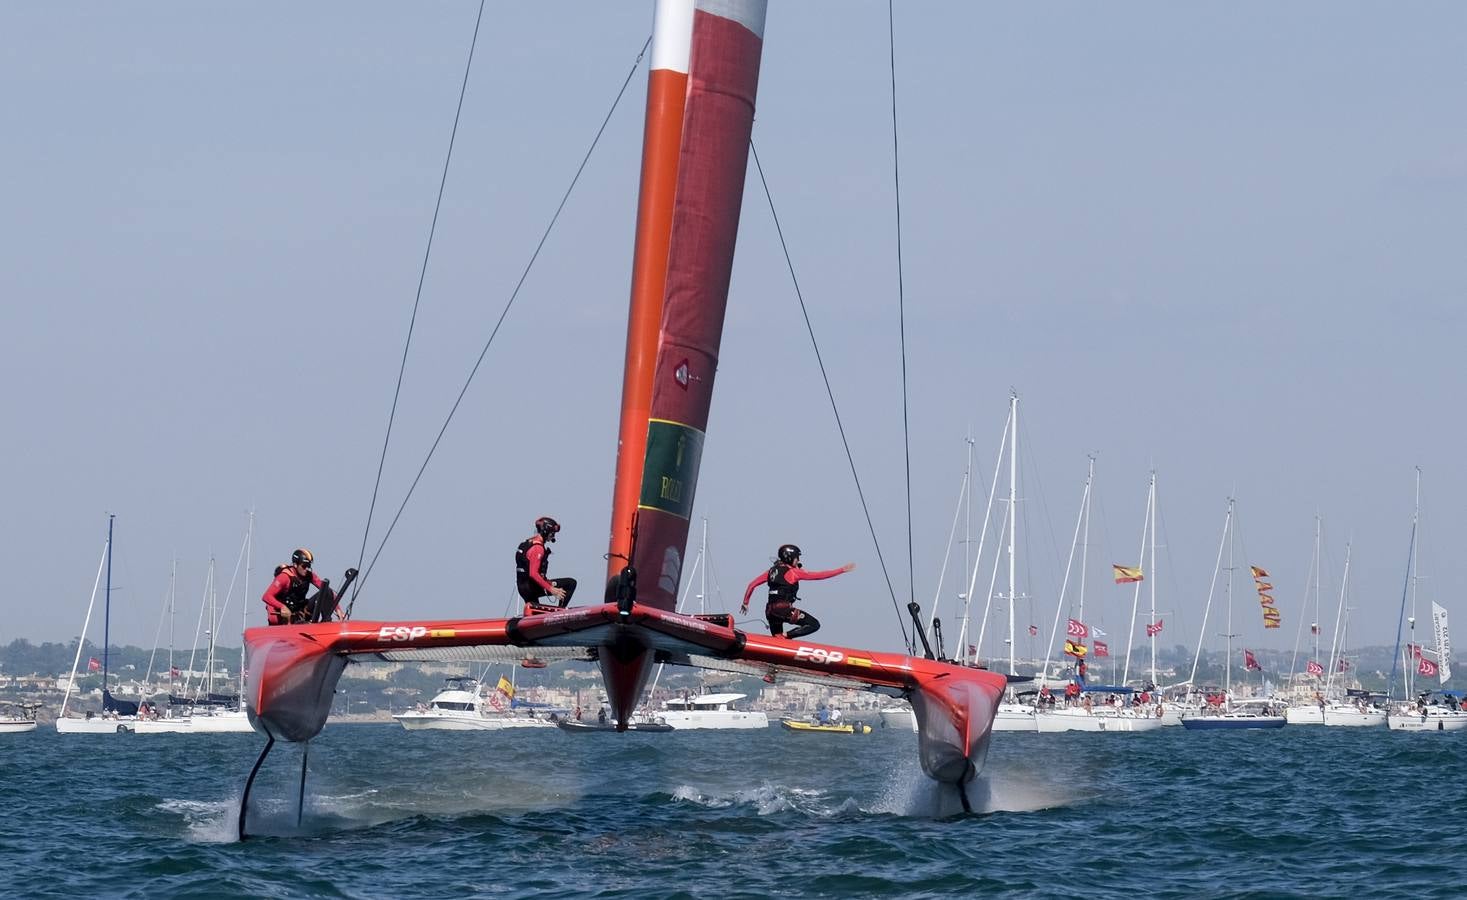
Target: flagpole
x=1211, y=588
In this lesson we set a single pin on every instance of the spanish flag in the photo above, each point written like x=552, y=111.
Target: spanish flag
x=1127, y=575
x=1258, y=573
x=504, y=687
x=1075, y=649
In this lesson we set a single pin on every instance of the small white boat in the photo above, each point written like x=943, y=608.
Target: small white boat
x=898, y=717
x=20, y=718
x=1310, y=713
x=460, y=707
x=710, y=711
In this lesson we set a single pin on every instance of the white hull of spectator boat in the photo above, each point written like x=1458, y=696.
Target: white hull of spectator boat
x=1433, y=719
x=1171, y=714
x=1305, y=714
x=709, y=719
x=708, y=712
x=1014, y=717
x=17, y=726
x=1347, y=715
x=1077, y=718
x=96, y=725
x=232, y=721
x=470, y=721
x=898, y=717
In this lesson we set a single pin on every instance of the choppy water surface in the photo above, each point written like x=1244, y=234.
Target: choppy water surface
x=1300, y=811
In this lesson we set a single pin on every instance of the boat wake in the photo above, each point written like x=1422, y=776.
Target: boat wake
x=997, y=790
x=768, y=799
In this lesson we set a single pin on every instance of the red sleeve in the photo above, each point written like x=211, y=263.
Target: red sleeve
x=315, y=579
x=533, y=556
x=794, y=575
x=761, y=578
x=272, y=593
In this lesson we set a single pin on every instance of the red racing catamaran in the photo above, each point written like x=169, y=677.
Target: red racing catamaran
x=700, y=112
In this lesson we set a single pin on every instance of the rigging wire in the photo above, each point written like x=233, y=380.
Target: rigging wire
x=829, y=392
x=896, y=171
x=507, y=306
x=417, y=299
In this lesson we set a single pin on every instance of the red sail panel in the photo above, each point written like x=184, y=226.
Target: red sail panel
x=718, y=119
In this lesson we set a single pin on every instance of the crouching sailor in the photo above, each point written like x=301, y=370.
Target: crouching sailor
x=783, y=579
x=285, y=599
x=532, y=565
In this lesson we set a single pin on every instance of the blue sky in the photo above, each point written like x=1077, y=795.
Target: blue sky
x=1223, y=241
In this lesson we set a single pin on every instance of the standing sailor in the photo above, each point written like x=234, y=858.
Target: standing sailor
x=783, y=579
x=532, y=564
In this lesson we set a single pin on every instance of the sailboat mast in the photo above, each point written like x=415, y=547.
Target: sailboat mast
x=1013, y=523
x=1136, y=593
x=1232, y=541
x=1085, y=540
x=1152, y=620
x=172, y=608
x=244, y=613
x=667, y=90
x=1408, y=588
x=1335, y=649
x=964, y=597
x=700, y=116
x=107, y=605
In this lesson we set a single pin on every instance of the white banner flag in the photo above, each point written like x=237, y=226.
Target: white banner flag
x=1443, y=642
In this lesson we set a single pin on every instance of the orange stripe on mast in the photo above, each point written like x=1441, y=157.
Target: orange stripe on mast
x=667, y=92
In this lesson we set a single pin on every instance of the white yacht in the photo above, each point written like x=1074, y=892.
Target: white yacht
x=1101, y=717
x=1422, y=715
x=461, y=707
x=701, y=711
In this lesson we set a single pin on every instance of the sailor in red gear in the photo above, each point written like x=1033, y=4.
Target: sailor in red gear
x=783, y=580
x=285, y=598
x=532, y=565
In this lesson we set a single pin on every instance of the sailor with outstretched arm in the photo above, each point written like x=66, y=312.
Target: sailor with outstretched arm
x=783, y=580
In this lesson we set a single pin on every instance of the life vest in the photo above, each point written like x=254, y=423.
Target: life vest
x=522, y=577
x=781, y=589
x=294, y=596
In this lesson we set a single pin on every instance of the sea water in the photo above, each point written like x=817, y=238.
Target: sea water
x=1300, y=811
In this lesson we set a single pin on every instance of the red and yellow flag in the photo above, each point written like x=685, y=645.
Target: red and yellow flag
x=1127, y=574
x=1258, y=573
x=1075, y=649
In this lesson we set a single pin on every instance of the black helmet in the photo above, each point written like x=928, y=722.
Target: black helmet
x=788, y=553
x=302, y=558
x=547, y=527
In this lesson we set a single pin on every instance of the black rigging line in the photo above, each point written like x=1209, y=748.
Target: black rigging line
x=831, y=394
x=510, y=303
x=896, y=171
x=417, y=299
